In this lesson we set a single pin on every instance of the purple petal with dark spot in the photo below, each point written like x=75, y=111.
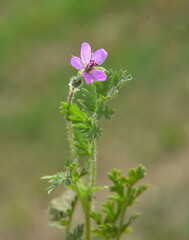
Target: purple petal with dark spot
x=99, y=56
x=85, y=53
x=87, y=77
x=77, y=63
x=98, y=75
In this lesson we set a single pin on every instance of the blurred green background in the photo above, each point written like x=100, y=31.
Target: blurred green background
x=148, y=38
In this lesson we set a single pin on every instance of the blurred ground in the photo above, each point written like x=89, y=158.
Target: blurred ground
x=150, y=39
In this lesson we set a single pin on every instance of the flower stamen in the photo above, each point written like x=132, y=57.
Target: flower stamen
x=89, y=67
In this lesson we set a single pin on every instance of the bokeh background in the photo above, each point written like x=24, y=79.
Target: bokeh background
x=148, y=38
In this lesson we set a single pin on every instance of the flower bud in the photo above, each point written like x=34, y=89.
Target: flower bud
x=75, y=81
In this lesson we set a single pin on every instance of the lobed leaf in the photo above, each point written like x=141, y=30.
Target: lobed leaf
x=62, y=209
x=55, y=181
x=77, y=233
x=124, y=196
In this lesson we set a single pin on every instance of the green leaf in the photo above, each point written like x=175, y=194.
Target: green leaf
x=136, y=175
x=130, y=221
x=55, y=181
x=88, y=99
x=102, y=87
x=77, y=233
x=141, y=189
x=97, y=217
x=104, y=111
x=56, y=225
x=62, y=209
x=56, y=214
x=82, y=144
x=83, y=172
x=127, y=230
x=94, y=189
x=109, y=88
x=60, y=178
x=94, y=131
x=124, y=195
x=115, y=197
x=115, y=78
x=108, y=208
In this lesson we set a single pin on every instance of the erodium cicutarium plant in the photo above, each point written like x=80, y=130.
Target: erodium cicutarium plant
x=90, y=91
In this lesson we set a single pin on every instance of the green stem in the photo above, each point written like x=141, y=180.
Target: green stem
x=92, y=183
x=93, y=145
x=89, y=206
x=74, y=155
x=67, y=232
x=88, y=225
x=86, y=209
x=70, y=125
x=121, y=221
x=86, y=205
x=93, y=163
x=70, y=216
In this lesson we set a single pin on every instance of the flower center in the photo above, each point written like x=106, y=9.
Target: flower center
x=91, y=65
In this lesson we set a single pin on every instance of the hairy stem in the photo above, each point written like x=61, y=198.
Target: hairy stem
x=92, y=182
x=89, y=205
x=71, y=140
x=72, y=90
x=93, y=163
x=86, y=208
x=93, y=146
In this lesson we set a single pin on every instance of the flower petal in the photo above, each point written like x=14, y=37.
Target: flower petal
x=88, y=77
x=85, y=53
x=77, y=63
x=99, y=56
x=98, y=75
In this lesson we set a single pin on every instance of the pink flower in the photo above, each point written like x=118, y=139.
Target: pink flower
x=89, y=63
